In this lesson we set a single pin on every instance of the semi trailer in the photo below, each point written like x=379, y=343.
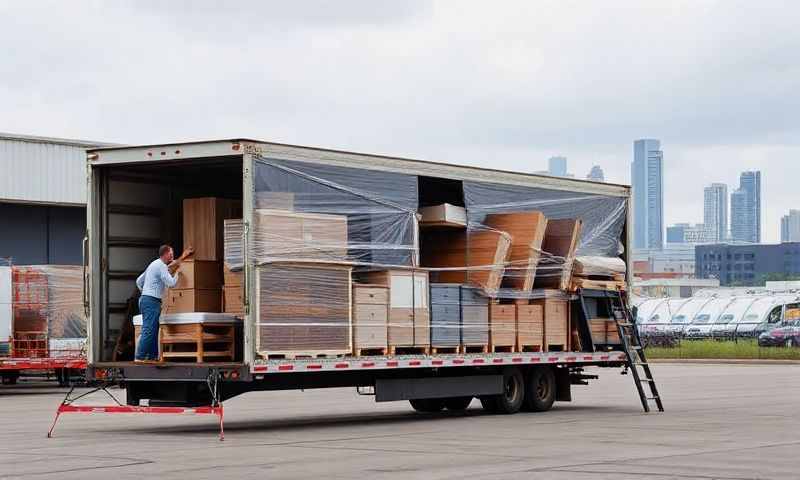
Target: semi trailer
x=134, y=204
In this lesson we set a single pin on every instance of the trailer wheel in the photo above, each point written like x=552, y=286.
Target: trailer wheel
x=540, y=390
x=510, y=401
x=458, y=404
x=427, y=405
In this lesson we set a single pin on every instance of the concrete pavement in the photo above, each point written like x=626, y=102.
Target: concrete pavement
x=722, y=421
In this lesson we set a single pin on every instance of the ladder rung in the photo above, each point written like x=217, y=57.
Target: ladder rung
x=654, y=398
x=647, y=380
x=640, y=363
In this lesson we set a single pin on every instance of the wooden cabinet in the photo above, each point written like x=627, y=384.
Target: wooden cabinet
x=502, y=325
x=192, y=300
x=203, y=225
x=409, y=319
x=556, y=323
x=199, y=274
x=370, y=317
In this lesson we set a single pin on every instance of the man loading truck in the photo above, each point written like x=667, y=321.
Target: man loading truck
x=152, y=282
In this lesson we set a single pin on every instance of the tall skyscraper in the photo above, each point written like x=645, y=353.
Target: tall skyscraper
x=715, y=211
x=648, y=194
x=746, y=209
x=790, y=227
x=557, y=166
x=596, y=174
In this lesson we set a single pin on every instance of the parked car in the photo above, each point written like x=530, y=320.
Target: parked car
x=787, y=335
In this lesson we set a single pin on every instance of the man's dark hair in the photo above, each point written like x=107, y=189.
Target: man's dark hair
x=163, y=249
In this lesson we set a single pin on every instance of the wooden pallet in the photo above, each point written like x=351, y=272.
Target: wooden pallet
x=393, y=350
x=443, y=350
x=371, y=352
x=474, y=349
x=502, y=348
x=303, y=355
x=555, y=348
x=579, y=282
x=198, y=342
x=530, y=348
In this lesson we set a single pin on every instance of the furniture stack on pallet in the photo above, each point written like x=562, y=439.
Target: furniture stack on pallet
x=445, y=317
x=196, y=337
x=370, y=319
x=409, y=315
x=598, y=273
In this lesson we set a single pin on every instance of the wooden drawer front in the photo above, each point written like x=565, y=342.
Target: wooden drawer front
x=445, y=325
x=445, y=294
x=370, y=327
x=199, y=274
x=473, y=296
x=530, y=325
x=370, y=295
x=401, y=327
x=192, y=300
x=475, y=324
x=604, y=331
x=502, y=323
x=422, y=327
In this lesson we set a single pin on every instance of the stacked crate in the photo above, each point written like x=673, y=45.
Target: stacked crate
x=370, y=319
x=232, y=299
x=502, y=327
x=445, y=316
x=199, y=288
x=474, y=319
x=556, y=320
x=530, y=327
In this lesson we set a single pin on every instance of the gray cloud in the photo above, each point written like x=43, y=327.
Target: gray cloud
x=455, y=81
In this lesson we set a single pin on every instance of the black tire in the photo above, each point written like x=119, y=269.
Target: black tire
x=457, y=404
x=540, y=390
x=427, y=405
x=510, y=401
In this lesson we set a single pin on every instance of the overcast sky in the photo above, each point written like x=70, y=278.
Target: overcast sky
x=500, y=84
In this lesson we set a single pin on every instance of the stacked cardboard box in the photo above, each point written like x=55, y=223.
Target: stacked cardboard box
x=370, y=317
x=232, y=299
x=409, y=317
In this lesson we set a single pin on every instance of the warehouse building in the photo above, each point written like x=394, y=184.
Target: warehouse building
x=747, y=264
x=42, y=199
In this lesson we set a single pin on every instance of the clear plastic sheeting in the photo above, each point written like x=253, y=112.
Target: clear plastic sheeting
x=333, y=214
x=47, y=305
x=342, y=264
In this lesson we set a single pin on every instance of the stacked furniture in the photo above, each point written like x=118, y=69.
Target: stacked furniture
x=530, y=327
x=370, y=319
x=445, y=316
x=555, y=308
x=409, y=317
x=303, y=310
x=474, y=320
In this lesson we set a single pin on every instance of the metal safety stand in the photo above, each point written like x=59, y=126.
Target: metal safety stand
x=68, y=406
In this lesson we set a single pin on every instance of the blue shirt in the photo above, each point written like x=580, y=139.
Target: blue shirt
x=155, y=279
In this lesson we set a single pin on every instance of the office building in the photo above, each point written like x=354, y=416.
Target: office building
x=746, y=264
x=648, y=194
x=715, y=211
x=790, y=227
x=596, y=174
x=688, y=233
x=746, y=209
x=557, y=166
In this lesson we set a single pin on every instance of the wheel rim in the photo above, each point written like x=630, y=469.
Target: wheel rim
x=542, y=387
x=512, y=389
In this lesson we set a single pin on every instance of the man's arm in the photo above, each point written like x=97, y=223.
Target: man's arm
x=166, y=277
x=140, y=281
x=175, y=264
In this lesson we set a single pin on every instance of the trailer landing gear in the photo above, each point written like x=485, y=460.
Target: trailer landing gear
x=67, y=406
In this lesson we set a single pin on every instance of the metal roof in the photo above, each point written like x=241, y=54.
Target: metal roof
x=365, y=160
x=60, y=141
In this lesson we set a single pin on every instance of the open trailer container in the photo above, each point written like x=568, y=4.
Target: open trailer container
x=356, y=239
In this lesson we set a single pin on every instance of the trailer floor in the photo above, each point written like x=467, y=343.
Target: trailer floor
x=722, y=422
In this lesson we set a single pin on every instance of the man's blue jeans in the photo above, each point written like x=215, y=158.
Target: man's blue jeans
x=150, y=308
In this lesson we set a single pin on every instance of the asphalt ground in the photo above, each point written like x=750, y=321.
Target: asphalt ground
x=721, y=422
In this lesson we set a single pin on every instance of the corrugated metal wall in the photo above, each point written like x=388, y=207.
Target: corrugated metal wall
x=33, y=171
